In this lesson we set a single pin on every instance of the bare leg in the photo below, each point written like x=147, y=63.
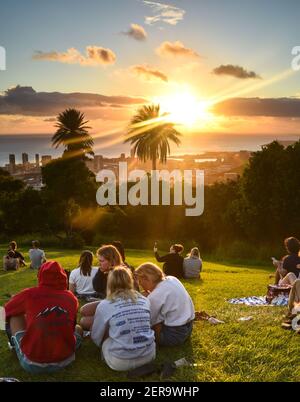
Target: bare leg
x=289, y=279
x=294, y=295
x=79, y=330
x=87, y=315
x=17, y=323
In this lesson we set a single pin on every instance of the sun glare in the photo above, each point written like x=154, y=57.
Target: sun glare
x=185, y=109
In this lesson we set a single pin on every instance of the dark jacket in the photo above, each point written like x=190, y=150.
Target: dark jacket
x=173, y=264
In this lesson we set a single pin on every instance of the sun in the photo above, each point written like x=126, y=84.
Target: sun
x=184, y=108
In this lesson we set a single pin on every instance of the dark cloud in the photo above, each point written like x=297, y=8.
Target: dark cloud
x=136, y=32
x=149, y=73
x=26, y=101
x=274, y=107
x=235, y=71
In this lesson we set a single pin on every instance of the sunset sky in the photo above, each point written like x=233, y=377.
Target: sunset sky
x=218, y=66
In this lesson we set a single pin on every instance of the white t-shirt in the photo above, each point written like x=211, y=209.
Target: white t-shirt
x=129, y=327
x=36, y=256
x=170, y=303
x=83, y=284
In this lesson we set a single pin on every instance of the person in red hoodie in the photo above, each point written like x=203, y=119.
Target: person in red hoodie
x=41, y=322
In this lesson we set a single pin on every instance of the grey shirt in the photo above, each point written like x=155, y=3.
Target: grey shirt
x=192, y=266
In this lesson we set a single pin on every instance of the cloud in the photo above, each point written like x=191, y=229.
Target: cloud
x=164, y=13
x=272, y=107
x=235, y=71
x=136, y=32
x=26, y=101
x=175, y=49
x=95, y=56
x=149, y=73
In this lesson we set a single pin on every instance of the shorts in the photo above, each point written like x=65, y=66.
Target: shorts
x=40, y=368
x=173, y=336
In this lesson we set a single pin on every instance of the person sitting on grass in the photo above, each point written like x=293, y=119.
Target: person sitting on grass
x=294, y=299
x=122, y=324
x=119, y=246
x=171, y=307
x=36, y=255
x=287, y=271
x=109, y=258
x=173, y=262
x=81, y=279
x=192, y=264
x=10, y=262
x=41, y=322
x=13, y=247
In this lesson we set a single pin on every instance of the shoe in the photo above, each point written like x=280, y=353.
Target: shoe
x=168, y=369
x=142, y=371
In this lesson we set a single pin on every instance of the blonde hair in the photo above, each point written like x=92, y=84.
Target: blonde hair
x=194, y=252
x=111, y=254
x=120, y=284
x=150, y=271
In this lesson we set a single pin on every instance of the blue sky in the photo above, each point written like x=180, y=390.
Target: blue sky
x=256, y=35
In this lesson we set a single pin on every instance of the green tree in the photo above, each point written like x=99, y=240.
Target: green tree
x=150, y=135
x=72, y=133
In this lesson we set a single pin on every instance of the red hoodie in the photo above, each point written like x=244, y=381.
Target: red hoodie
x=50, y=316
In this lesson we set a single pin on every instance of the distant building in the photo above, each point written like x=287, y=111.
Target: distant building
x=98, y=162
x=12, y=159
x=37, y=160
x=46, y=159
x=231, y=176
x=122, y=157
x=24, y=159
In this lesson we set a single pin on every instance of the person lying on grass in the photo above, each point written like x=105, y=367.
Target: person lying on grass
x=81, y=279
x=121, y=325
x=41, y=322
x=109, y=258
x=287, y=269
x=171, y=307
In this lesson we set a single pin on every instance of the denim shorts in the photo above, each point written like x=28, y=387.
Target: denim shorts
x=173, y=336
x=40, y=368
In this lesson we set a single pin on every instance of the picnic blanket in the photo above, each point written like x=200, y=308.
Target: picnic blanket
x=260, y=301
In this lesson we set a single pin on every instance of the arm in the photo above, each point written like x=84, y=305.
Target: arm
x=100, y=324
x=72, y=287
x=16, y=305
x=164, y=258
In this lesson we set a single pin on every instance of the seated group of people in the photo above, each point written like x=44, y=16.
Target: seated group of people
x=137, y=311
x=14, y=259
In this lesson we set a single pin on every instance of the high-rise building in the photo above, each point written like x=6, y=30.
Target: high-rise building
x=46, y=159
x=12, y=159
x=24, y=158
x=37, y=160
x=98, y=162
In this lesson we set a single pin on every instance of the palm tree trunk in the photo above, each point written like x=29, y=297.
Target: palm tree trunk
x=154, y=164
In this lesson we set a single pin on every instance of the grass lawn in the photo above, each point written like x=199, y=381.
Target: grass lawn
x=256, y=350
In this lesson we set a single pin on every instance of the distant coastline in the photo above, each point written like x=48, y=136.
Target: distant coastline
x=41, y=144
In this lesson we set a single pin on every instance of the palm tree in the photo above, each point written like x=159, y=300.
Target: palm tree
x=150, y=133
x=72, y=134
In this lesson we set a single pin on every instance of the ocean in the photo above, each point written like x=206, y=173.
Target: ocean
x=41, y=144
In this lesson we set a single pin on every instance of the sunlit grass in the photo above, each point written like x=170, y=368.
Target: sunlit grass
x=257, y=350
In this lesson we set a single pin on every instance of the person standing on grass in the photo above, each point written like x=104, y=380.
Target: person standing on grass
x=173, y=262
x=287, y=271
x=122, y=324
x=81, y=279
x=171, y=308
x=36, y=255
x=192, y=264
x=41, y=322
x=13, y=247
x=109, y=258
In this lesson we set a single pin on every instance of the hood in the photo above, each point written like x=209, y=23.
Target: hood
x=52, y=275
